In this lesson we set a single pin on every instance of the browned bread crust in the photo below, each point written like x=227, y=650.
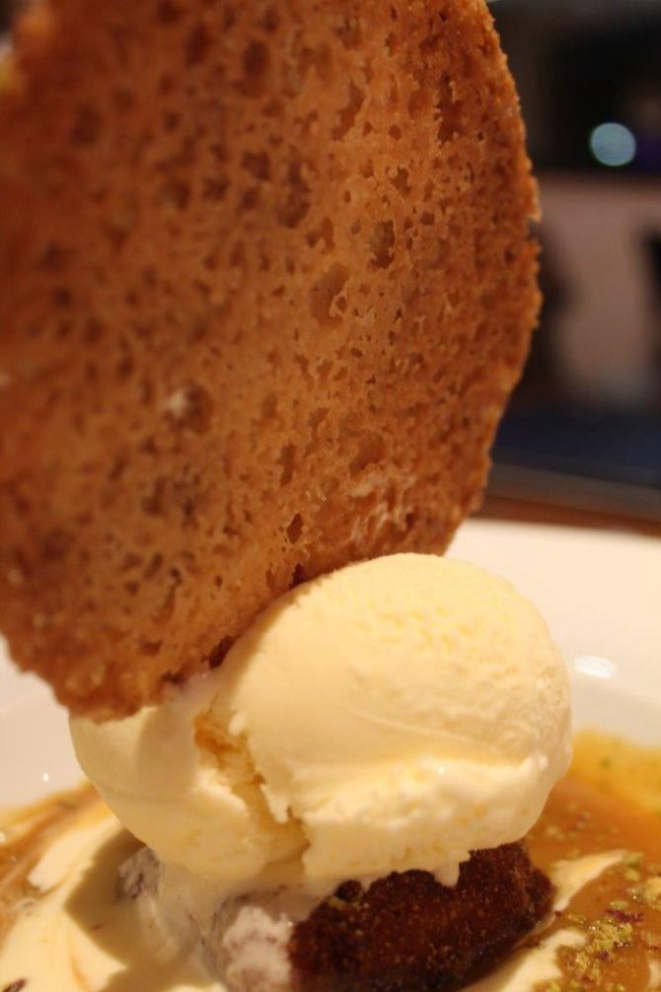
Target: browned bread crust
x=265, y=286
x=409, y=933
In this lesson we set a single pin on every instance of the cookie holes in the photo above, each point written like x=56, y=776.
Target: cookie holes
x=270, y=21
x=381, y=243
x=293, y=210
x=324, y=233
x=440, y=255
x=295, y=528
x=324, y=292
x=175, y=193
x=257, y=164
x=150, y=648
x=349, y=31
x=249, y=199
x=86, y=128
x=346, y=117
x=371, y=449
x=298, y=576
x=287, y=461
x=217, y=654
x=401, y=182
x=255, y=65
x=418, y=101
x=198, y=45
x=317, y=417
x=168, y=12
x=53, y=258
x=213, y=190
x=269, y=407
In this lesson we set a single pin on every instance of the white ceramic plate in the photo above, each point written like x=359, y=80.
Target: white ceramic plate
x=600, y=593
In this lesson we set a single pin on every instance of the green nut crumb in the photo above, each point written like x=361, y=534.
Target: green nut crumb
x=651, y=893
x=587, y=966
x=606, y=936
x=620, y=905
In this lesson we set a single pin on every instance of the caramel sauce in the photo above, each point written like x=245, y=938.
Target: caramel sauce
x=26, y=834
x=609, y=803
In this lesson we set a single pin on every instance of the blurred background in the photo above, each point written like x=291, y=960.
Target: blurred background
x=583, y=433
x=584, y=428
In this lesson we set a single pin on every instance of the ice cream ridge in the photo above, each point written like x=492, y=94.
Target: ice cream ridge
x=378, y=742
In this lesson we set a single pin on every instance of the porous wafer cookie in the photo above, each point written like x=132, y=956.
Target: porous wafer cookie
x=265, y=286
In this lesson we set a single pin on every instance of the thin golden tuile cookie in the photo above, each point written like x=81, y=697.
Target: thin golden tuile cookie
x=266, y=284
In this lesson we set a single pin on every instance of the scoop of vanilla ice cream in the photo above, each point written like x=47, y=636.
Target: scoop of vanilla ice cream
x=395, y=714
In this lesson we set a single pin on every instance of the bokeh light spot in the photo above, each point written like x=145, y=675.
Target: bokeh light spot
x=613, y=144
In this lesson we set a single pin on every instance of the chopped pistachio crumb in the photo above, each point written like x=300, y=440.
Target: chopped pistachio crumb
x=651, y=940
x=587, y=966
x=621, y=905
x=633, y=859
x=651, y=893
x=606, y=936
x=632, y=875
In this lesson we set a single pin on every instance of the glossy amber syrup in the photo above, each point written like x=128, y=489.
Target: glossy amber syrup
x=610, y=801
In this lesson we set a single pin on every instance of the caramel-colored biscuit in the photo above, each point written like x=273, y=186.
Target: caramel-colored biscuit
x=266, y=285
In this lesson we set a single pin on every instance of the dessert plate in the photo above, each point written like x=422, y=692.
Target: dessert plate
x=600, y=593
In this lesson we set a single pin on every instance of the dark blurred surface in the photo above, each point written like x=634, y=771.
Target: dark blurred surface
x=8, y=8
x=581, y=64
x=584, y=428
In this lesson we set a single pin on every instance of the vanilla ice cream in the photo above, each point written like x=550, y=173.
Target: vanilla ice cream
x=395, y=714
